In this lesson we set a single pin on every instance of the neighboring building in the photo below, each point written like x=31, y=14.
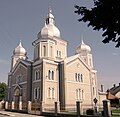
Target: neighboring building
x=52, y=76
x=102, y=96
x=113, y=94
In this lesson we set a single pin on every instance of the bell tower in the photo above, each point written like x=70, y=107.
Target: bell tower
x=18, y=53
x=85, y=52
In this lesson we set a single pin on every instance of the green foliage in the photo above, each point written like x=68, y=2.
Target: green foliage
x=90, y=112
x=3, y=89
x=106, y=16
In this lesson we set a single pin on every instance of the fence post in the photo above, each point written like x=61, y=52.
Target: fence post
x=6, y=105
x=29, y=106
x=56, y=108
x=106, y=107
x=13, y=105
x=20, y=103
x=78, y=108
x=41, y=107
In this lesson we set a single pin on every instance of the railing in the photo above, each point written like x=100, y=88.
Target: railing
x=49, y=108
x=35, y=106
x=24, y=106
x=9, y=106
x=16, y=105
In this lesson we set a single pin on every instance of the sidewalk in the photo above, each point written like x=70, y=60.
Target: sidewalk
x=14, y=114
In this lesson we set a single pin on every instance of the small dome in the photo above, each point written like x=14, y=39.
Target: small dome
x=19, y=50
x=83, y=48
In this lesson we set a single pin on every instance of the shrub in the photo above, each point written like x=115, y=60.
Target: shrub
x=90, y=112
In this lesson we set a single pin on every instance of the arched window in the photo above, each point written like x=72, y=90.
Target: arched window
x=38, y=93
x=44, y=51
x=81, y=78
x=40, y=74
x=52, y=75
x=36, y=75
x=82, y=94
x=49, y=92
x=51, y=49
x=78, y=77
x=53, y=93
x=35, y=93
x=77, y=94
x=49, y=75
x=93, y=91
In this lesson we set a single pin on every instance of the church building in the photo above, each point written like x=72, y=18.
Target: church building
x=51, y=76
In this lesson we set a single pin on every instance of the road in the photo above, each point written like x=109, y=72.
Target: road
x=13, y=114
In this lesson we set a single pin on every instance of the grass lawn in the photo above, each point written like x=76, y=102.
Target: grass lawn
x=115, y=113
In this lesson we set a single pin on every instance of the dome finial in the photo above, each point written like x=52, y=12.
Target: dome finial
x=49, y=9
x=82, y=42
x=20, y=44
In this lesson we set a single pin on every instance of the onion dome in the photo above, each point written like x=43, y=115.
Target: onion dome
x=19, y=50
x=83, y=48
x=49, y=29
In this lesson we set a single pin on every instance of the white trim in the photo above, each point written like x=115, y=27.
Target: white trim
x=37, y=81
x=82, y=83
x=23, y=83
x=51, y=81
x=19, y=83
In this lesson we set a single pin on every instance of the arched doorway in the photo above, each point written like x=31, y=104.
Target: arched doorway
x=17, y=98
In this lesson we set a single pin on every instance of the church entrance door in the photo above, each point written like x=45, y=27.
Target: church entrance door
x=17, y=97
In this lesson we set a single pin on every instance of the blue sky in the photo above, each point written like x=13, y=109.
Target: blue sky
x=23, y=19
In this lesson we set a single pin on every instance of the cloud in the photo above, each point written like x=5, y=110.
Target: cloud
x=115, y=54
x=3, y=62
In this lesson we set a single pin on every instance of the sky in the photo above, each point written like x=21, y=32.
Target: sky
x=23, y=19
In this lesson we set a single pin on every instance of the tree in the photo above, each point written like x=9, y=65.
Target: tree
x=3, y=89
x=104, y=15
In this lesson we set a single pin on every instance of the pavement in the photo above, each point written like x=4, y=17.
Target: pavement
x=4, y=113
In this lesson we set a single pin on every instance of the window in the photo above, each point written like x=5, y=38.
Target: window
x=35, y=93
x=81, y=78
x=78, y=77
x=82, y=94
x=93, y=91
x=79, y=94
x=37, y=75
x=38, y=93
x=51, y=51
x=51, y=75
x=51, y=93
x=44, y=51
x=59, y=54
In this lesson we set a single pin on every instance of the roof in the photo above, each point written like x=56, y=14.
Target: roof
x=111, y=97
x=72, y=58
x=115, y=89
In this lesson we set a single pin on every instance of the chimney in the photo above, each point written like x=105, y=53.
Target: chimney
x=102, y=88
x=114, y=85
